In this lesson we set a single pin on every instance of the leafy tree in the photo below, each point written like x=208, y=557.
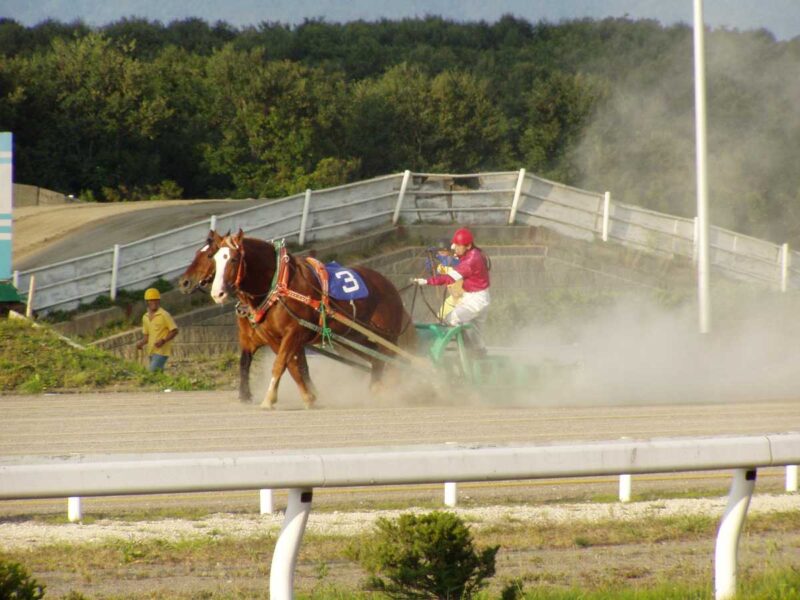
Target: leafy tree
x=276, y=122
x=86, y=117
x=559, y=108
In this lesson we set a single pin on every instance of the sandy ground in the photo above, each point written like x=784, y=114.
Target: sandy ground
x=30, y=534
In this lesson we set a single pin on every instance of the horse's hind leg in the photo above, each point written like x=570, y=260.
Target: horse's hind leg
x=376, y=375
x=298, y=369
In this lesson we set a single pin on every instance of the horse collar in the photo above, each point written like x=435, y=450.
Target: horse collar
x=279, y=285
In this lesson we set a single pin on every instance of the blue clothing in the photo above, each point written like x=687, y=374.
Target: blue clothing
x=157, y=362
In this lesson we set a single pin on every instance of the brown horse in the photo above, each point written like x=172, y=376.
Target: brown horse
x=246, y=268
x=199, y=275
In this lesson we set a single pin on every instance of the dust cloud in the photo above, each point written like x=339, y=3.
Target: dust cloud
x=632, y=352
x=640, y=144
x=639, y=353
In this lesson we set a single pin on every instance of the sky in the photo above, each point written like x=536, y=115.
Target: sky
x=780, y=17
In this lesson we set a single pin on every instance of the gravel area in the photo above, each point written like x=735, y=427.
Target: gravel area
x=30, y=534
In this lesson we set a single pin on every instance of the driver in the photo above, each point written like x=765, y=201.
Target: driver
x=473, y=271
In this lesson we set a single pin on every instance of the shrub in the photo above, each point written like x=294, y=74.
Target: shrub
x=15, y=582
x=426, y=556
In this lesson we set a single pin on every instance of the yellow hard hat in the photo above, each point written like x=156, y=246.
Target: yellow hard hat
x=152, y=294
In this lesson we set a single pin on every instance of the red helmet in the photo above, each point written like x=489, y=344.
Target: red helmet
x=462, y=237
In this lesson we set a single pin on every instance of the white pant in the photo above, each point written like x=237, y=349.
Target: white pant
x=473, y=307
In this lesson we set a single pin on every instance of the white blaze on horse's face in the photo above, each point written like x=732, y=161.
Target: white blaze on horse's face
x=218, y=292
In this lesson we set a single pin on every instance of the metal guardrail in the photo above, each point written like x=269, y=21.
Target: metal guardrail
x=412, y=198
x=303, y=470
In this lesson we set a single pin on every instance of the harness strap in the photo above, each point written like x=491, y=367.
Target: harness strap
x=279, y=288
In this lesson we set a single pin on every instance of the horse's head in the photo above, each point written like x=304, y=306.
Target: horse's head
x=228, y=267
x=200, y=273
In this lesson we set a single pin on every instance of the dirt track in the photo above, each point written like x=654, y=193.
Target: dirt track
x=212, y=421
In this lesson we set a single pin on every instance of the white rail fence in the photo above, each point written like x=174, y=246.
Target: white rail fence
x=303, y=470
x=412, y=198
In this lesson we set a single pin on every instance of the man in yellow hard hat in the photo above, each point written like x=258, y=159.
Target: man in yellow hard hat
x=158, y=329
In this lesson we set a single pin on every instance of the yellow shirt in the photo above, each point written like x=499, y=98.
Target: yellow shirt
x=156, y=329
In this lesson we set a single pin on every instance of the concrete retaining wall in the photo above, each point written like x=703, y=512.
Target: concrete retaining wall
x=30, y=195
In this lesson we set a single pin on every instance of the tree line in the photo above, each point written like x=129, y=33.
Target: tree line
x=137, y=109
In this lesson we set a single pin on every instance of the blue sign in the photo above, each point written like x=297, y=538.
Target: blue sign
x=6, y=202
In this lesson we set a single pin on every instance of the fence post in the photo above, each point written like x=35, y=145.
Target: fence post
x=15, y=279
x=791, y=478
x=304, y=219
x=606, y=214
x=284, y=556
x=213, y=223
x=517, y=195
x=114, y=272
x=450, y=493
x=74, y=513
x=401, y=196
x=31, y=289
x=727, y=549
x=695, y=240
x=266, y=505
x=785, y=259
x=625, y=488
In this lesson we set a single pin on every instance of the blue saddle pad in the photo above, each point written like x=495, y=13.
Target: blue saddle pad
x=344, y=283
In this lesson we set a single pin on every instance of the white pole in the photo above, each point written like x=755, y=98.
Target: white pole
x=74, y=513
x=114, y=272
x=625, y=488
x=702, y=181
x=784, y=267
x=304, y=218
x=450, y=494
x=31, y=288
x=726, y=552
x=267, y=506
x=791, y=478
x=15, y=279
x=213, y=223
x=401, y=196
x=517, y=195
x=284, y=557
x=606, y=211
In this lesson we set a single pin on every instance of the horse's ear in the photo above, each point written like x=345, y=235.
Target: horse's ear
x=214, y=238
x=238, y=237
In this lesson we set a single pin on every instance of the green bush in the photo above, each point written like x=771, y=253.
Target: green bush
x=426, y=556
x=15, y=582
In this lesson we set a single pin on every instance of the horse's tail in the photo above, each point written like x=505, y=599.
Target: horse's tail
x=408, y=335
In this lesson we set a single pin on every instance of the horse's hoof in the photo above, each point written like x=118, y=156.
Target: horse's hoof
x=267, y=405
x=247, y=400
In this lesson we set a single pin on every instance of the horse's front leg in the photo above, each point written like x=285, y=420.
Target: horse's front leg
x=245, y=360
x=290, y=346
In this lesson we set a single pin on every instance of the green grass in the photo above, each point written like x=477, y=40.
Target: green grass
x=34, y=360
x=250, y=556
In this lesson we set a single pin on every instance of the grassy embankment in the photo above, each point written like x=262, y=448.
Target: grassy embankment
x=35, y=360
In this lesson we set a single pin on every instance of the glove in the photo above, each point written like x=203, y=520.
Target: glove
x=419, y=281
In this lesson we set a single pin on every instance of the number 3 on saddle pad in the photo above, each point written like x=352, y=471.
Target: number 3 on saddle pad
x=344, y=283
